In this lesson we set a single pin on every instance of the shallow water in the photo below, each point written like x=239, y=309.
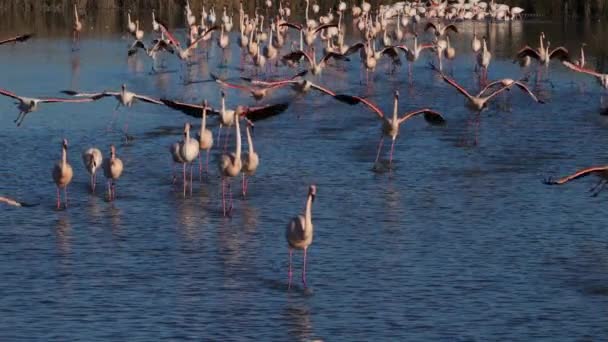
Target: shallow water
x=461, y=241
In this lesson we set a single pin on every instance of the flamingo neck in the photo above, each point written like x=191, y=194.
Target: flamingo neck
x=204, y=120
x=238, y=137
x=395, y=109
x=308, y=211
x=306, y=11
x=249, y=141
x=64, y=156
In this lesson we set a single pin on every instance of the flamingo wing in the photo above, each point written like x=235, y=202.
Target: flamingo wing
x=202, y=36
x=354, y=48
x=169, y=35
x=148, y=99
x=323, y=27
x=489, y=86
x=353, y=100
x=189, y=109
x=20, y=38
x=296, y=56
x=95, y=96
x=336, y=56
x=430, y=26
x=291, y=25
x=576, y=68
x=322, y=89
x=527, y=90
x=560, y=53
x=15, y=203
x=451, y=27
x=264, y=112
x=138, y=44
x=9, y=94
x=82, y=99
x=391, y=52
x=578, y=174
x=455, y=85
x=227, y=84
x=527, y=51
x=431, y=116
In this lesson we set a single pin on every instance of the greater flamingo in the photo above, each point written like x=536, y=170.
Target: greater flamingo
x=62, y=174
x=299, y=232
x=250, y=162
x=600, y=171
x=230, y=165
x=205, y=140
x=92, y=158
x=112, y=169
x=188, y=150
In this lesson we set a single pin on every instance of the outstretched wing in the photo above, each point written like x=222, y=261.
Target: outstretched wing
x=189, y=109
x=336, y=56
x=296, y=56
x=527, y=90
x=170, y=36
x=20, y=38
x=430, y=25
x=576, y=175
x=9, y=94
x=292, y=25
x=431, y=116
x=576, y=68
x=264, y=112
x=322, y=89
x=356, y=47
x=527, y=51
x=202, y=36
x=560, y=53
x=353, y=100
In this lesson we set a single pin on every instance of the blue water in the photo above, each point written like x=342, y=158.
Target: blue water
x=461, y=241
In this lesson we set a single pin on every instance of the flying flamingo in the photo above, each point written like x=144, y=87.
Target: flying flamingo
x=92, y=159
x=18, y=39
x=299, y=232
x=543, y=54
x=600, y=171
x=314, y=66
x=112, y=169
x=250, y=162
x=27, y=105
x=185, y=54
x=205, y=140
x=390, y=126
x=439, y=29
x=62, y=174
x=509, y=83
x=230, y=165
x=188, y=150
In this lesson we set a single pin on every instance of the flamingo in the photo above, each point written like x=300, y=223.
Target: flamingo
x=475, y=102
x=124, y=97
x=483, y=58
x=205, y=139
x=601, y=78
x=580, y=62
x=139, y=34
x=130, y=24
x=230, y=164
x=112, y=169
x=185, y=54
x=390, y=126
x=27, y=105
x=314, y=66
x=62, y=174
x=158, y=45
x=77, y=25
x=544, y=54
x=155, y=25
x=600, y=171
x=509, y=83
x=188, y=151
x=250, y=161
x=92, y=159
x=299, y=232
x=263, y=88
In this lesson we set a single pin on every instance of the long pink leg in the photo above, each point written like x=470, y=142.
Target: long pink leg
x=65, y=193
x=244, y=187
x=58, y=199
x=200, y=168
x=379, y=148
x=304, y=268
x=207, y=164
x=191, y=179
x=230, y=198
x=92, y=183
x=184, y=168
x=289, y=272
x=390, y=160
x=224, y=194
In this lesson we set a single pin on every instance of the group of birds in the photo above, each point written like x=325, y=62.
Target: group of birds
x=264, y=38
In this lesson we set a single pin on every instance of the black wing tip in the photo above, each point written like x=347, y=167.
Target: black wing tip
x=69, y=92
x=348, y=99
x=549, y=181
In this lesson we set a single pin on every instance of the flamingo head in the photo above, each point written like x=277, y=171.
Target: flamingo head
x=123, y=87
x=396, y=94
x=112, y=150
x=223, y=94
x=312, y=191
x=186, y=128
x=64, y=143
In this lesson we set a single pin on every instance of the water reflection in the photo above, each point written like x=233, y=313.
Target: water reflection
x=297, y=314
x=63, y=231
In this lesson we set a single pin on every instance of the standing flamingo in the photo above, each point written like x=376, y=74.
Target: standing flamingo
x=230, y=164
x=62, y=174
x=77, y=25
x=251, y=160
x=92, y=159
x=189, y=149
x=299, y=232
x=112, y=169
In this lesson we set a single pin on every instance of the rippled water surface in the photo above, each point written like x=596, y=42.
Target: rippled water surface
x=461, y=241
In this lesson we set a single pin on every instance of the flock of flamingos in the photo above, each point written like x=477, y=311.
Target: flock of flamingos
x=386, y=33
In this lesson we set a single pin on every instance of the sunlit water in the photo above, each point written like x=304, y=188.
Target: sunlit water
x=461, y=241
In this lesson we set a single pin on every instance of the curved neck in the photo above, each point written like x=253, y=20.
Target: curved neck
x=64, y=155
x=308, y=211
x=238, y=136
x=75, y=12
x=249, y=140
x=204, y=120
x=307, y=2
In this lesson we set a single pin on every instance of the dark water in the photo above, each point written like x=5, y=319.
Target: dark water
x=459, y=242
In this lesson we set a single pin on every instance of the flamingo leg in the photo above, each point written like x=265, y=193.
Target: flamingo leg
x=58, y=199
x=200, y=167
x=18, y=117
x=184, y=169
x=600, y=189
x=596, y=185
x=379, y=148
x=230, y=199
x=65, y=194
x=207, y=164
x=113, y=190
x=304, y=268
x=109, y=189
x=191, y=166
x=224, y=194
x=93, y=182
x=244, y=187
x=289, y=272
